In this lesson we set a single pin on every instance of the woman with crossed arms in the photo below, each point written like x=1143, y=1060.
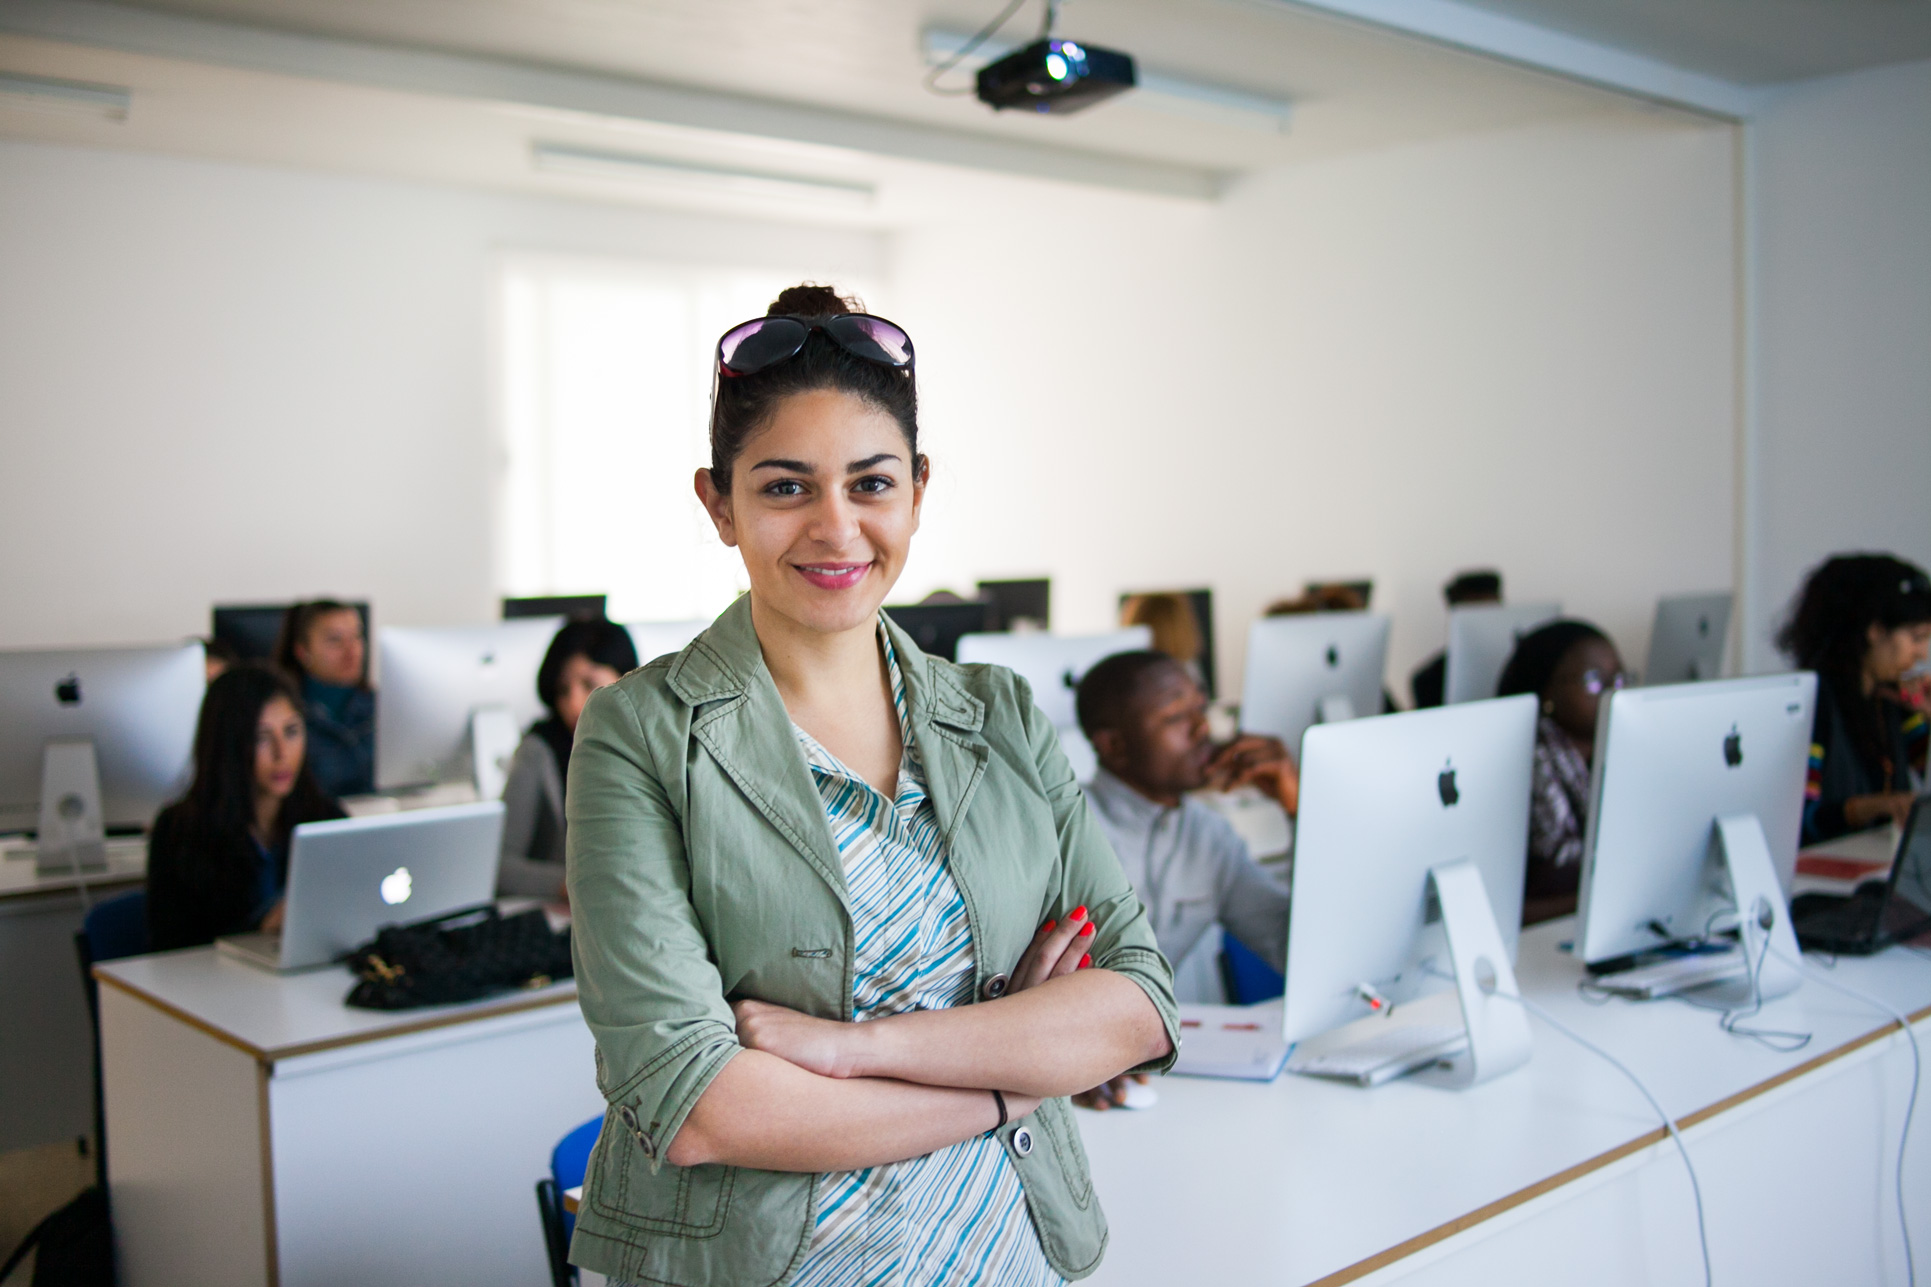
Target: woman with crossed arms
x=846, y=935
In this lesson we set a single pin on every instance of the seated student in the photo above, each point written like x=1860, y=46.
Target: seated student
x=1863, y=623
x=584, y=656
x=1429, y=683
x=322, y=648
x=1147, y=720
x=218, y=857
x=1569, y=665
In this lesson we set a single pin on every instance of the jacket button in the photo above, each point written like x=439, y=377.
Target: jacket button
x=1022, y=1142
x=995, y=987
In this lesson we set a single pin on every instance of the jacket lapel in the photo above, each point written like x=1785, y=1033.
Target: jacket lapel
x=948, y=727
x=741, y=721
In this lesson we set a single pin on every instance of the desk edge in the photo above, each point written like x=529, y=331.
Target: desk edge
x=1549, y=1184
x=512, y=1003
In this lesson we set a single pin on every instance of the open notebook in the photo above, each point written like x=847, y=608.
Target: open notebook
x=1233, y=1041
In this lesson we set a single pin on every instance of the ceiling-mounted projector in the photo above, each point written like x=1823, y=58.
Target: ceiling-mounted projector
x=1057, y=76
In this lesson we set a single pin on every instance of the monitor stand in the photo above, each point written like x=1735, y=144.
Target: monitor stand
x=72, y=839
x=1763, y=913
x=1335, y=708
x=493, y=736
x=1498, y=1026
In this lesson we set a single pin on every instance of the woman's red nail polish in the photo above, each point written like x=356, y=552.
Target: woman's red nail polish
x=1087, y=931
x=1048, y=928
x=1077, y=912
x=1086, y=960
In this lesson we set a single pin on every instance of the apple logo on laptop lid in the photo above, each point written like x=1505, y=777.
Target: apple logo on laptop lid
x=395, y=886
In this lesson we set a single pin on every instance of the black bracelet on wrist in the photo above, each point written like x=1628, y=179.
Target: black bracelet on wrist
x=1000, y=1100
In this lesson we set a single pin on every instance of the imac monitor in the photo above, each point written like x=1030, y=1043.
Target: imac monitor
x=1481, y=639
x=1669, y=762
x=1297, y=666
x=937, y=627
x=1054, y=665
x=655, y=638
x=574, y=606
x=1010, y=602
x=1383, y=800
x=435, y=678
x=350, y=877
x=1686, y=643
x=138, y=706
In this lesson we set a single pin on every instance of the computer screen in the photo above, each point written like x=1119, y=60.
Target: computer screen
x=655, y=638
x=556, y=605
x=1053, y=665
x=937, y=627
x=137, y=705
x=1383, y=800
x=1202, y=603
x=434, y=678
x=1669, y=762
x=1686, y=643
x=1481, y=639
x=1012, y=601
x=1295, y=663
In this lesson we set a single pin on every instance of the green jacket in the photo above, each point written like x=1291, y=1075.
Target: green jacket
x=701, y=868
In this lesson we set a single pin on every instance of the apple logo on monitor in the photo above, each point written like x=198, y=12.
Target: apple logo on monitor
x=1733, y=748
x=395, y=886
x=1334, y=656
x=67, y=691
x=1445, y=784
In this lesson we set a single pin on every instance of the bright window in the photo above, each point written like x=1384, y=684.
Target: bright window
x=604, y=397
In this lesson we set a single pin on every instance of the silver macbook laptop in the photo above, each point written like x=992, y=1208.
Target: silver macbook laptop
x=351, y=877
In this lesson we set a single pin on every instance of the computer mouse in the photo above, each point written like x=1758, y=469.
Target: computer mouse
x=1140, y=1096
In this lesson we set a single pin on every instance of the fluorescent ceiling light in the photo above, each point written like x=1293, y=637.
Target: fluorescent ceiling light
x=568, y=158
x=39, y=93
x=1198, y=99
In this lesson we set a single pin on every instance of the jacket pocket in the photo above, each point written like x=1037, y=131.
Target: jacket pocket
x=1059, y=1190
x=688, y=1201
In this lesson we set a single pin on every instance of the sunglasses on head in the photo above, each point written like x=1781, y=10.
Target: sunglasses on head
x=763, y=342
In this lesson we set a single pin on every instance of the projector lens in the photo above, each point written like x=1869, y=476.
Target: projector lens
x=1055, y=66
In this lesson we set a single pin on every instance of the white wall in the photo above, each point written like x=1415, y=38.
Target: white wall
x=1843, y=201
x=1515, y=350
x=233, y=383
x=219, y=382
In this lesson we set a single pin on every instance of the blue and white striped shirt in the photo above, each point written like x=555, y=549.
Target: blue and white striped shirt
x=958, y=1215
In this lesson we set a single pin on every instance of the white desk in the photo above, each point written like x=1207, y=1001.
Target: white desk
x=1558, y=1173
x=261, y=1132
x=47, y=1050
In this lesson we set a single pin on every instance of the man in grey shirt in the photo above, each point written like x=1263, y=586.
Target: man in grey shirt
x=1147, y=721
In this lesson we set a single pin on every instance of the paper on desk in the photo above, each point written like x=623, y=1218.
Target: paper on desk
x=1854, y=857
x=1240, y=1042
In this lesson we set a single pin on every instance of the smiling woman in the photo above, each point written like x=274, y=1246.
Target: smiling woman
x=846, y=934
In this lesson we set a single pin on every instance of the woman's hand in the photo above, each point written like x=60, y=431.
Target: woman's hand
x=1058, y=947
x=1861, y=811
x=1253, y=760
x=827, y=1047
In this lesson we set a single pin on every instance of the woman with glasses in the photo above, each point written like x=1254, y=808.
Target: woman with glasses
x=1568, y=665
x=846, y=934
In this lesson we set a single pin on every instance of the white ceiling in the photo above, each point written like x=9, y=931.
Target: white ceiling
x=1748, y=42
x=1353, y=86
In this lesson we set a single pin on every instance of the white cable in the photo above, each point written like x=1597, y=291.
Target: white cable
x=1917, y=1064
x=1669, y=1123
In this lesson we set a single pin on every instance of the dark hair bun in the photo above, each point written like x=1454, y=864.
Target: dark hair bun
x=812, y=300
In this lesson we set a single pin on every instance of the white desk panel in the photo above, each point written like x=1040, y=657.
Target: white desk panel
x=1302, y=1181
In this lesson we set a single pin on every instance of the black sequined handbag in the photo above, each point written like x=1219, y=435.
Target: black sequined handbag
x=460, y=956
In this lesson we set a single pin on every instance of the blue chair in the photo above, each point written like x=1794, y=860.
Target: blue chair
x=113, y=928
x=1249, y=979
x=568, y=1162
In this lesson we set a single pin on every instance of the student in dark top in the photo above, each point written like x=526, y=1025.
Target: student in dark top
x=218, y=857
x=1568, y=665
x=1429, y=683
x=322, y=648
x=584, y=656
x=1863, y=623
